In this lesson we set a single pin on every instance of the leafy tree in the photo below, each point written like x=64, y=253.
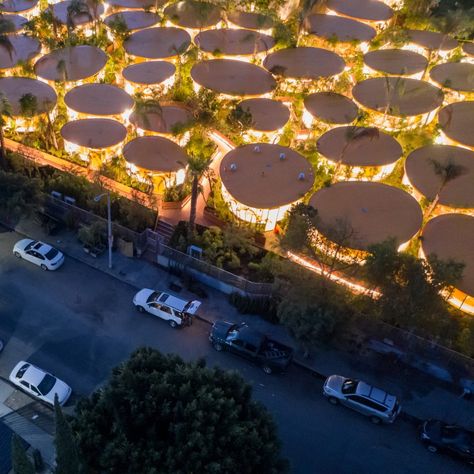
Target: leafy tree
x=67, y=458
x=28, y=105
x=159, y=414
x=20, y=462
x=5, y=111
x=6, y=27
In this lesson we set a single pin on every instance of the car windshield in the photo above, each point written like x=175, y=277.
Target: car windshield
x=31, y=244
x=153, y=297
x=22, y=371
x=46, y=384
x=51, y=254
x=349, y=386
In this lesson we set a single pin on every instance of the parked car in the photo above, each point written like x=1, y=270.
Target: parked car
x=373, y=402
x=253, y=345
x=451, y=439
x=39, y=384
x=176, y=311
x=39, y=253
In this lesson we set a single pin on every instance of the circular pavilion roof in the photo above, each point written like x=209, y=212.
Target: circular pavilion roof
x=193, y=14
x=261, y=179
x=267, y=114
x=16, y=6
x=432, y=40
x=14, y=88
x=450, y=236
x=370, y=10
x=71, y=63
x=18, y=21
x=367, y=213
x=155, y=154
x=98, y=99
x=457, y=76
x=468, y=48
x=340, y=28
x=233, y=77
x=420, y=167
x=396, y=61
x=403, y=96
x=233, y=41
x=97, y=133
x=331, y=107
x=149, y=72
x=158, y=43
x=134, y=20
x=60, y=11
x=135, y=4
x=457, y=122
x=162, y=119
x=25, y=48
x=359, y=146
x=250, y=20
x=304, y=63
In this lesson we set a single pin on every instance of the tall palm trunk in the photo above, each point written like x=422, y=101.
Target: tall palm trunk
x=3, y=154
x=194, y=198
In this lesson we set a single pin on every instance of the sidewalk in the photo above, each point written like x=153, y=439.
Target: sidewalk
x=422, y=396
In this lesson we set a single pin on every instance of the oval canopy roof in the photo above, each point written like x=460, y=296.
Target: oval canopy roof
x=16, y=6
x=369, y=10
x=24, y=49
x=136, y=4
x=432, y=40
x=96, y=133
x=193, y=14
x=161, y=119
x=60, y=11
x=133, y=20
x=149, y=72
x=457, y=76
x=363, y=213
x=457, y=122
x=267, y=114
x=251, y=20
x=396, y=61
x=340, y=28
x=331, y=107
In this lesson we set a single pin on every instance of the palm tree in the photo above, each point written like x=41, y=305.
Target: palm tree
x=6, y=27
x=145, y=106
x=76, y=8
x=28, y=105
x=5, y=111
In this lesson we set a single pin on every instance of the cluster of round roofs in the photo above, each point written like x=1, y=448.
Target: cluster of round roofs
x=262, y=175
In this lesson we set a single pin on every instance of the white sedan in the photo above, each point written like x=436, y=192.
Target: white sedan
x=39, y=253
x=39, y=384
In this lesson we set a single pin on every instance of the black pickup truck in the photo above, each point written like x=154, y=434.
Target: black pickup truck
x=272, y=356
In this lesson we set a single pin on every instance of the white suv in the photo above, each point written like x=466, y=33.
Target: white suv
x=176, y=311
x=379, y=405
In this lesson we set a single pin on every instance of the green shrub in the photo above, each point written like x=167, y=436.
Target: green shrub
x=263, y=306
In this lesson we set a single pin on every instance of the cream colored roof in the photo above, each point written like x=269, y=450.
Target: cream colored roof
x=432, y=40
x=468, y=48
x=162, y=121
x=420, y=169
x=134, y=20
x=78, y=62
x=371, y=10
x=261, y=179
x=15, y=6
x=193, y=14
x=404, y=96
x=367, y=212
x=267, y=114
x=18, y=21
x=233, y=77
x=149, y=72
x=251, y=20
x=350, y=146
x=457, y=76
x=98, y=99
x=25, y=48
x=233, y=41
x=305, y=62
x=331, y=107
x=155, y=154
x=14, y=88
x=96, y=133
x=450, y=237
x=343, y=29
x=136, y=4
x=396, y=61
x=61, y=13
x=158, y=43
x=457, y=122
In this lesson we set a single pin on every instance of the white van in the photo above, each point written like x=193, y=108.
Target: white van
x=176, y=311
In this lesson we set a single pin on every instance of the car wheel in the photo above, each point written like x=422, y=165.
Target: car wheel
x=17, y=254
x=333, y=401
x=43, y=267
x=268, y=370
x=140, y=309
x=375, y=420
x=172, y=323
x=218, y=346
x=431, y=448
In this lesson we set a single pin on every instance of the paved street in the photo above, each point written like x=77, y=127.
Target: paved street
x=78, y=323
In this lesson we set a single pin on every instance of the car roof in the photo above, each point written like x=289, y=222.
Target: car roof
x=171, y=301
x=251, y=336
x=33, y=375
x=42, y=248
x=376, y=394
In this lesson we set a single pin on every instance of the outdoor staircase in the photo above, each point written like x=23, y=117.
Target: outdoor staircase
x=165, y=231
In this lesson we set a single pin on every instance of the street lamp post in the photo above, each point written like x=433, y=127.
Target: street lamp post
x=109, y=224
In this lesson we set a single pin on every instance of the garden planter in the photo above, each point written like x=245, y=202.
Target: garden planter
x=175, y=204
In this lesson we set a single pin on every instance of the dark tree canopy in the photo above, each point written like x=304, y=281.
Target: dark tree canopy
x=159, y=414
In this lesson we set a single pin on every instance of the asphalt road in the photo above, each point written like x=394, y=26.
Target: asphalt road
x=78, y=323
